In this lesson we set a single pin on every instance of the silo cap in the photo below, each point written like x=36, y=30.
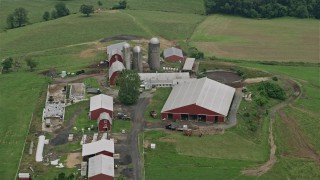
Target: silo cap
x=137, y=49
x=154, y=40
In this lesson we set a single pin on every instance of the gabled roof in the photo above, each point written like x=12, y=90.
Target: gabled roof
x=101, y=164
x=101, y=101
x=188, y=64
x=172, y=51
x=105, y=116
x=116, y=66
x=98, y=146
x=113, y=52
x=118, y=46
x=203, y=92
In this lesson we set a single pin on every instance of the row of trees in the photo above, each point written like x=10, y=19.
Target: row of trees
x=265, y=9
x=9, y=63
x=60, y=10
x=18, y=18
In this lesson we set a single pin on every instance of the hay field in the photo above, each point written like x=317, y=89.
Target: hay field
x=283, y=39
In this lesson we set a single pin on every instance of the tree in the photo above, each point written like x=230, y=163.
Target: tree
x=100, y=4
x=86, y=9
x=7, y=64
x=46, y=16
x=61, y=9
x=302, y=12
x=121, y=5
x=11, y=21
x=129, y=83
x=21, y=16
x=54, y=14
x=31, y=63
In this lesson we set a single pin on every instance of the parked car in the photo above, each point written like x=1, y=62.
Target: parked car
x=122, y=116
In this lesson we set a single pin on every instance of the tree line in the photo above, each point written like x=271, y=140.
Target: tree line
x=265, y=8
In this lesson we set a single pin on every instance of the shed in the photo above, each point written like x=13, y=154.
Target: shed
x=24, y=176
x=188, y=65
x=114, y=72
x=202, y=99
x=173, y=54
x=101, y=167
x=104, y=122
x=99, y=104
x=103, y=146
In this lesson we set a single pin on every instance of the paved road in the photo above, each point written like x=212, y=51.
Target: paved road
x=137, y=112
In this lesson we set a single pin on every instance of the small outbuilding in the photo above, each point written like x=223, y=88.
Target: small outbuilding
x=99, y=104
x=188, y=65
x=104, y=122
x=162, y=79
x=114, y=70
x=103, y=146
x=24, y=176
x=101, y=167
x=173, y=54
x=199, y=99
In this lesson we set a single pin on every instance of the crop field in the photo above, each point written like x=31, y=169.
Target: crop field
x=282, y=39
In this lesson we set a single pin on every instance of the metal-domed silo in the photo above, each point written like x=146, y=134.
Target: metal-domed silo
x=137, y=59
x=127, y=55
x=154, y=54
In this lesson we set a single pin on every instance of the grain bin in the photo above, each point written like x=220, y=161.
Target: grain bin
x=137, y=59
x=127, y=55
x=154, y=54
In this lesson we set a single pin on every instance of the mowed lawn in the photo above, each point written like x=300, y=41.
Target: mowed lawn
x=281, y=39
x=19, y=92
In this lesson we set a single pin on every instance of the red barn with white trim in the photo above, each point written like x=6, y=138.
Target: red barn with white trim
x=173, y=54
x=103, y=146
x=116, y=55
x=201, y=99
x=104, y=122
x=101, y=168
x=114, y=70
x=99, y=104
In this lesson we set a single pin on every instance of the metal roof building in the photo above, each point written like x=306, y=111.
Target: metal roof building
x=202, y=99
x=118, y=46
x=162, y=79
x=114, y=70
x=173, y=54
x=188, y=64
x=103, y=146
x=99, y=104
x=101, y=167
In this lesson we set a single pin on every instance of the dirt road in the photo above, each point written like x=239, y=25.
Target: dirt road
x=137, y=112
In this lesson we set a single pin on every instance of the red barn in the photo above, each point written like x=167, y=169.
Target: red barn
x=104, y=122
x=114, y=70
x=103, y=146
x=99, y=104
x=101, y=168
x=200, y=99
x=116, y=55
x=173, y=54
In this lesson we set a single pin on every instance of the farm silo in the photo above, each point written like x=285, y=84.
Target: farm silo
x=127, y=55
x=137, y=59
x=154, y=54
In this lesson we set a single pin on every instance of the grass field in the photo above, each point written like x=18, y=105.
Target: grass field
x=156, y=103
x=282, y=39
x=19, y=92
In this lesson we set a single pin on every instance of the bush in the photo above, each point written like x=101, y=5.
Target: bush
x=195, y=53
x=275, y=78
x=271, y=90
x=121, y=5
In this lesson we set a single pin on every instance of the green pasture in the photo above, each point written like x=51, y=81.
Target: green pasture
x=281, y=39
x=156, y=103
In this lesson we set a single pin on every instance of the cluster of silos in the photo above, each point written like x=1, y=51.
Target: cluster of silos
x=137, y=59
x=127, y=55
x=154, y=54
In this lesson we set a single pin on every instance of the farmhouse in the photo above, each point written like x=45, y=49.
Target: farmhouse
x=103, y=146
x=188, y=65
x=161, y=79
x=101, y=167
x=104, y=122
x=200, y=99
x=114, y=72
x=99, y=104
x=173, y=54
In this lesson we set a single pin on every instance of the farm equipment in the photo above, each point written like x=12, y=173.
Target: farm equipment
x=170, y=127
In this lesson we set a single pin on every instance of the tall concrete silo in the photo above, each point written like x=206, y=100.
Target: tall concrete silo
x=127, y=56
x=137, y=59
x=154, y=54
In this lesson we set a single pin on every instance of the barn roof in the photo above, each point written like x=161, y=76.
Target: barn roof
x=98, y=146
x=163, y=77
x=172, y=51
x=101, y=101
x=105, y=116
x=188, y=64
x=116, y=66
x=101, y=164
x=118, y=46
x=203, y=92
